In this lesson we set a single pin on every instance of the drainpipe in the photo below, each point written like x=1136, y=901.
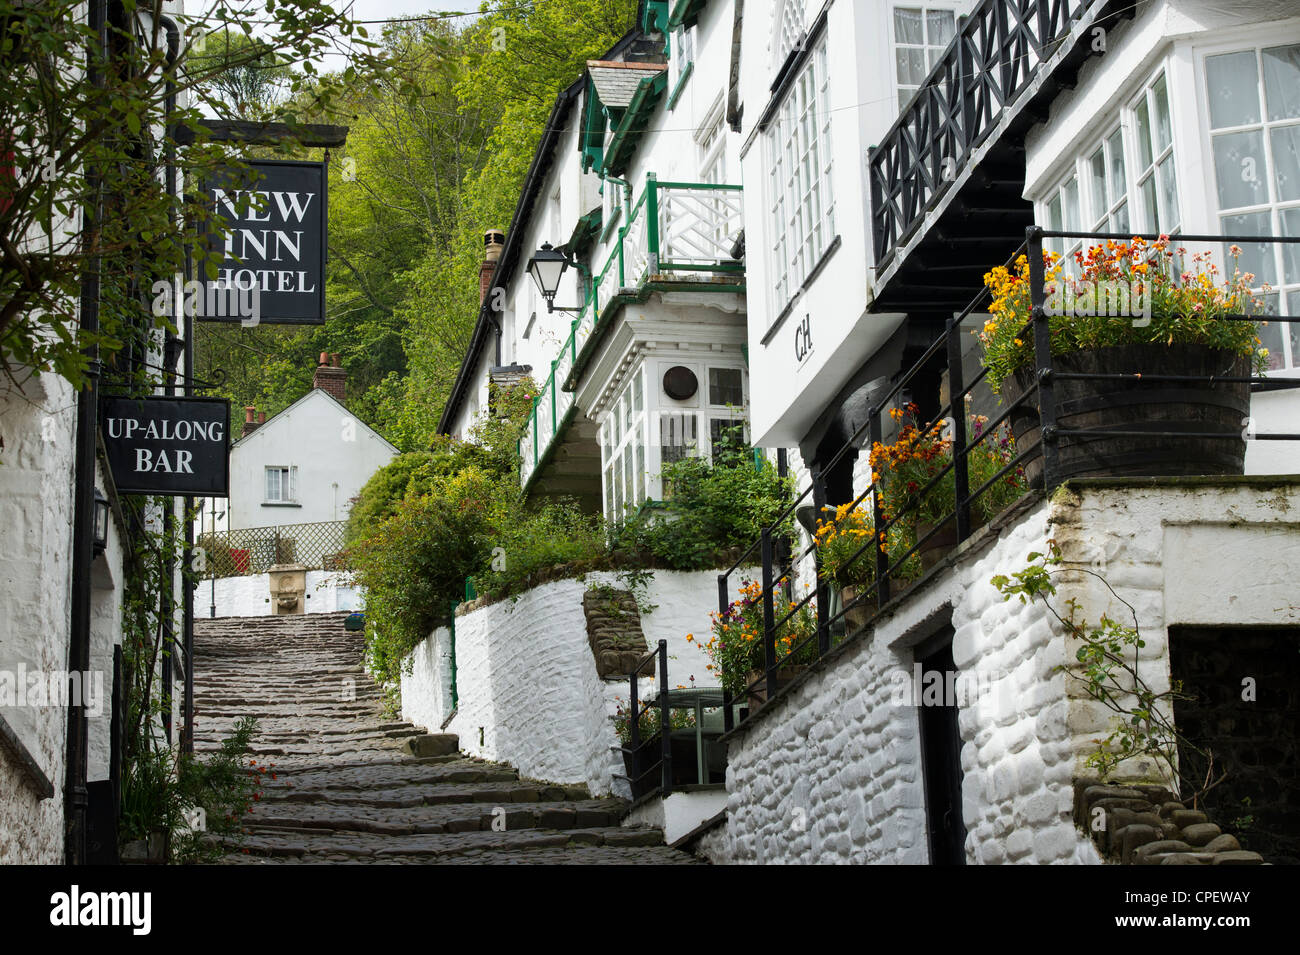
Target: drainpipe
x=187, y=349
x=75, y=795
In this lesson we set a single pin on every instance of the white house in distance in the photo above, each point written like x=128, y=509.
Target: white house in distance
x=305, y=464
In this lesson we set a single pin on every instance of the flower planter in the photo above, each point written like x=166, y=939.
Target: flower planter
x=784, y=677
x=1136, y=405
x=943, y=542
x=855, y=618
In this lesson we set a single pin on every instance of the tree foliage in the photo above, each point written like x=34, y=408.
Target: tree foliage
x=438, y=146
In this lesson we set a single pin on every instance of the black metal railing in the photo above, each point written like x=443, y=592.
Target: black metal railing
x=1038, y=398
x=993, y=58
x=639, y=754
x=254, y=550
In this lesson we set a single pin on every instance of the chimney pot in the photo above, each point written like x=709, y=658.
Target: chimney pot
x=261, y=417
x=248, y=413
x=334, y=360
x=324, y=358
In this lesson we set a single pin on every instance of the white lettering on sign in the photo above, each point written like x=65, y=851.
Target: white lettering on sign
x=147, y=462
x=167, y=430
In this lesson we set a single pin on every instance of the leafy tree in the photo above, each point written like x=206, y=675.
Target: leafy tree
x=246, y=76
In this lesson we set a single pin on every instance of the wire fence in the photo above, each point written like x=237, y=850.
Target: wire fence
x=255, y=550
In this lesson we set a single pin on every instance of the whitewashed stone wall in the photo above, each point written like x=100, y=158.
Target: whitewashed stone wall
x=832, y=772
x=107, y=583
x=36, y=465
x=527, y=680
x=250, y=595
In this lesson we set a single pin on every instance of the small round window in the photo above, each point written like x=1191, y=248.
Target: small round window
x=680, y=383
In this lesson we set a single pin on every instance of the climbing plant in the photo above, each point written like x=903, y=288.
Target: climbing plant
x=1107, y=658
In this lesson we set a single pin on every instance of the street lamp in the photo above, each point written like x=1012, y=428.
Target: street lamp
x=546, y=266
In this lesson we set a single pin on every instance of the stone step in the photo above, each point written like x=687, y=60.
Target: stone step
x=381, y=847
x=343, y=783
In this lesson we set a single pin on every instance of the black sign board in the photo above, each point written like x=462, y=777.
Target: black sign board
x=273, y=247
x=174, y=446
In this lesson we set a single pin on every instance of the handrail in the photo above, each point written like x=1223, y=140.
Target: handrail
x=665, y=718
x=1040, y=396
x=633, y=259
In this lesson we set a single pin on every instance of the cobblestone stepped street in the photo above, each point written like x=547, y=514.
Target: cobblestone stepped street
x=345, y=791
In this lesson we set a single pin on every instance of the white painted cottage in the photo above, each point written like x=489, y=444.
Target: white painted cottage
x=305, y=464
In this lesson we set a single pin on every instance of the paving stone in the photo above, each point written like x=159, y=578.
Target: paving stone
x=1224, y=843
x=353, y=787
x=1237, y=858
x=1201, y=833
x=1187, y=817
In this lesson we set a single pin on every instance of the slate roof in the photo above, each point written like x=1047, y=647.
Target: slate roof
x=616, y=83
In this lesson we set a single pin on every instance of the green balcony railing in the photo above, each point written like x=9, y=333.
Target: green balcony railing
x=675, y=232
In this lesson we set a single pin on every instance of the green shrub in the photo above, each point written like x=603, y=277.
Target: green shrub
x=415, y=564
x=710, y=509
x=553, y=532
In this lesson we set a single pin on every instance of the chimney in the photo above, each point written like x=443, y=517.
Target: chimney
x=329, y=377
x=494, y=241
x=249, y=424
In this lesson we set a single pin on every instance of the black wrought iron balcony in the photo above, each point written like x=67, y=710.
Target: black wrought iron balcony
x=949, y=174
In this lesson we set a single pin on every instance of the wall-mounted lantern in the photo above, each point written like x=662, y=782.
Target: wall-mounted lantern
x=101, y=523
x=546, y=267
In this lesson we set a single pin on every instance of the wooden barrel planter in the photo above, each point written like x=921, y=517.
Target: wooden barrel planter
x=1187, y=408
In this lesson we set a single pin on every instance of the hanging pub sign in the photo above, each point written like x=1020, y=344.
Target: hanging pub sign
x=174, y=446
x=271, y=249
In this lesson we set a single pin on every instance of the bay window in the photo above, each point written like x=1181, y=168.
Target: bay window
x=1124, y=181
x=799, y=174
x=1253, y=101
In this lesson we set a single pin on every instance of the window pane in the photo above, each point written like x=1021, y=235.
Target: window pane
x=1164, y=129
x=1054, y=214
x=636, y=391
x=1150, y=212
x=1232, y=80
x=1072, y=222
x=1142, y=116
x=676, y=436
x=1286, y=162
x=1271, y=337
x=727, y=439
x=629, y=477
x=939, y=27
x=1291, y=253
x=642, y=477
x=1255, y=256
x=1119, y=222
x=1282, y=82
x=1239, y=169
x=1293, y=308
x=1169, y=215
x=1118, y=182
x=1097, y=184
x=724, y=387
x=272, y=484
x=907, y=26
x=911, y=66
